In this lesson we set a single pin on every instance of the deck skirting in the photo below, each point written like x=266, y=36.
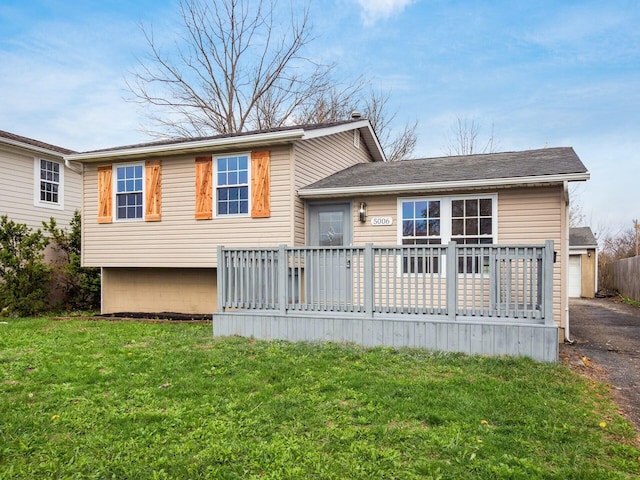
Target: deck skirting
x=482, y=336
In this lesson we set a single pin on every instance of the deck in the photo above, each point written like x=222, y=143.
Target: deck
x=484, y=299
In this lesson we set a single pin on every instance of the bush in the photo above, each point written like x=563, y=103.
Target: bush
x=24, y=276
x=81, y=284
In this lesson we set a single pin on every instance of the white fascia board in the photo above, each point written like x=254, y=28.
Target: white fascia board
x=459, y=184
x=32, y=148
x=344, y=127
x=240, y=141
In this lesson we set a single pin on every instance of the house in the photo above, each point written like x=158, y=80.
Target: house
x=36, y=183
x=279, y=232
x=583, y=263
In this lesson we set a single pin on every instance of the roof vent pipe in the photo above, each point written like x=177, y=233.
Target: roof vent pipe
x=355, y=115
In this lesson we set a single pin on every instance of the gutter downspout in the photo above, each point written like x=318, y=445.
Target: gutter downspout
x=565, y=185
x=74, y=166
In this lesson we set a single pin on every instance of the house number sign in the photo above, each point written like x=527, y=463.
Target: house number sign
x=378, y=221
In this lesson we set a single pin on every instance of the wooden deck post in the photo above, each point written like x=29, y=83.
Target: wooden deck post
x=369, y=295
x=452, y=281
x=548, y=282
x=221, y=284
x=283, y=262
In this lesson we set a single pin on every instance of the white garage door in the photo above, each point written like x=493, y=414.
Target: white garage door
x=575, y=276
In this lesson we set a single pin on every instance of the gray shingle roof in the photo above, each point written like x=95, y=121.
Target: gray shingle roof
x=582, y=237
x=34, y=143
x=529, y=163
x=178, y=140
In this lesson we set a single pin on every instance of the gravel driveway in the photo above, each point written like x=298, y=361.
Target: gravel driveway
x=607, y=333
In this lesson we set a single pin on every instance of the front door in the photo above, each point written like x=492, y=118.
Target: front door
x=330, y=226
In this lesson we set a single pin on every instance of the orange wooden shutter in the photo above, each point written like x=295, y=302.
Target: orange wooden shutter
x=104, y=194
x=153, y=191
x=204, y=193
x=260, y=185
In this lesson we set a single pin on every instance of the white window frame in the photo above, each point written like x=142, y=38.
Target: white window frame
x=217, y=214
x=37, y=202
x=445, y=219
x=114, y=183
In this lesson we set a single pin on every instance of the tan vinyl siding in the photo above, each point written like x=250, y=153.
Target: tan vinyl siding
x=18, y=181
x=179, y=240
x=378, y=206
x=525, y=215
x=533, y=215
x=316, y=159
x=157, y=290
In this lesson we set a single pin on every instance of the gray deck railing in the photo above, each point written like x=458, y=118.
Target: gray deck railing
x=453, y=281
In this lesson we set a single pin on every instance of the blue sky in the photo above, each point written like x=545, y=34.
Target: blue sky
x=543, y=73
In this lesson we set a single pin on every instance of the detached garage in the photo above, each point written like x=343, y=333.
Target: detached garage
x=583, y=263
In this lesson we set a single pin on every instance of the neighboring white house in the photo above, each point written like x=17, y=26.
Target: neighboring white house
x=35, y=184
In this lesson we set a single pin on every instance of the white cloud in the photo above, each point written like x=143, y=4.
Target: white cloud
x=374, y=10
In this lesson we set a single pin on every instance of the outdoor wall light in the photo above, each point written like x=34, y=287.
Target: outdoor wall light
x=362, y=212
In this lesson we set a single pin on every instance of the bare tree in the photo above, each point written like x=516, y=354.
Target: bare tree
x=577, y=216
x=339, y=103
x=235, y=69
x=464, y=138
x=396, y=147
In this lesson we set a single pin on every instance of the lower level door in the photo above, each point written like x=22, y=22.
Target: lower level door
x=329, y=279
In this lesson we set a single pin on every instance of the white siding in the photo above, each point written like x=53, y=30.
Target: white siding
x=18, y=183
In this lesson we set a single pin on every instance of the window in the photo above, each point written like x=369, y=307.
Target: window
x=129, y=193
x=472, y=224
x=421, y=226
x=48, y=185
x=232, y=188
x=472, y=221
x=434, y=221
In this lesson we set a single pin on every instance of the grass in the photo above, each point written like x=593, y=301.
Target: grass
x=630, y=301
x=101, y=399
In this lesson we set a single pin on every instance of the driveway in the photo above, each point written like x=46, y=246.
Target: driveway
x=607, y=333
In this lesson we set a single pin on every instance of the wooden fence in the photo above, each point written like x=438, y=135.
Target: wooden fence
x=624, y=276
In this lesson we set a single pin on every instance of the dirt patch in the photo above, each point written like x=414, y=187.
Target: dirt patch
x=606, y=348
x=140, y=317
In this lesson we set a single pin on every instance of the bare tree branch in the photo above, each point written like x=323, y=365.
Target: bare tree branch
x=237, y=67
x=463, y=138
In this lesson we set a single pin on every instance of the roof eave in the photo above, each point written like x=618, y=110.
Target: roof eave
x=440, y=186
x=33, y=148
x=189, y=147
x=583, y=247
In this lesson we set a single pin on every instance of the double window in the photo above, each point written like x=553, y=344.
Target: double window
x=435, y=221
x=48, y=191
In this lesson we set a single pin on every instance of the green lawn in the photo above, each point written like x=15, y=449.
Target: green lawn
x=103, y=399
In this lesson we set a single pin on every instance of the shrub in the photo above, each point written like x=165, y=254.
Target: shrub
x=24, y=276
x=81, y=284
